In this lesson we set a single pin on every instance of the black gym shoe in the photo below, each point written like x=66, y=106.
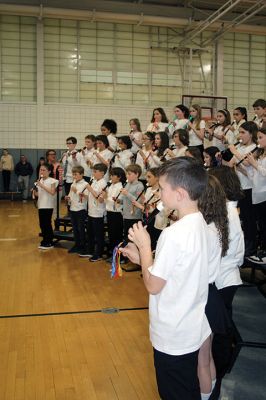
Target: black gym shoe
x=75, y=249
x=46, y=246
x=257, y=259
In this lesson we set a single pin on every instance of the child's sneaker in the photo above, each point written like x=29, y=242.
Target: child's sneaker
x=85, y=253
x=257, y=259
x=46, y=246
x=96, y=258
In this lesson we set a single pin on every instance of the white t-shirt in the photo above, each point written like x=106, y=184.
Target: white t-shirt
x=75, y=202
x=152, y=197
x=161, y=219
x=258, y=121
x=229, y=274
x=112, y=141
x=135, y=136
x=236, y=126
x=88, y=156
x=194, y=140
x=219, y=130
x=244, y=180
x=95, y=208
x=230, y=136
x=105, y=154
x=45, y=199
x=113, y=191
x=178, y=324
x=177, y=124
x=123, y=159
x=180, y=152
x=160, y=127
x=140, y=162
x=156, y=159
x=215, y=251
x=258, y=178
x=68, y=163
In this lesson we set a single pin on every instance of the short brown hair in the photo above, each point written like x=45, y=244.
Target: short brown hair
x=100, y=167
x=79, y=169
x=136, y=168
x=91, y=137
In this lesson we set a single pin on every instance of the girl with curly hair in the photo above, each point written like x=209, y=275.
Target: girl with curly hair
x=212, y=205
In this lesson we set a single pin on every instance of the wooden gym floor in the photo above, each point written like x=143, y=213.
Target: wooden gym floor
x=55, y=342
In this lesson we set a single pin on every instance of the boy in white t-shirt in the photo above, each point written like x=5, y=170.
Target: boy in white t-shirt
x=96, y=211
x=88, y=153
x=71, y=158
x=78, y=209
x=45, y=190
x=177, y=280
x=259, y=107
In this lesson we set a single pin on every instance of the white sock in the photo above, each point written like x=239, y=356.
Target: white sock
x=213, y=383
x=205, y=396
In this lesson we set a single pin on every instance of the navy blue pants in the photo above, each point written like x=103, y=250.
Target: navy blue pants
x=95, y=231
x=78, y=220
x=177, y=377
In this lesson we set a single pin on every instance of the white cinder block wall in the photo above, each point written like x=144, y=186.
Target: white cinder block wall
x=32, y=126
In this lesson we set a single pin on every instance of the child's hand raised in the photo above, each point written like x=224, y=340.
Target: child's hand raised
x=124, y=192
x=131, y=251
x=251, y=160
x=139, y=235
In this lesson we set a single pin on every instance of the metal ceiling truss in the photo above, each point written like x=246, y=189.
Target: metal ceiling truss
x=250, y=12
x=203, y=25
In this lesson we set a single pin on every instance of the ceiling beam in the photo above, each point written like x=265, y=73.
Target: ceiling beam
x=101, y=16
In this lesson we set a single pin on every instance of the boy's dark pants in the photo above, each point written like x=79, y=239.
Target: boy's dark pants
x=78, y=220
x=95, y=231
x=115, y=228
x=177, y=377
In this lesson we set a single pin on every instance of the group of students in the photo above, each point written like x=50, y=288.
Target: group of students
x=107, y=164
x=197, y=238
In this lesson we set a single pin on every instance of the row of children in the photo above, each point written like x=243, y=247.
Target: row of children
x=222, y=130
x=193, y=278
x=248, y=158
x=123, y=150
x=250, y=171
x=123, y=201
x=150, y=150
